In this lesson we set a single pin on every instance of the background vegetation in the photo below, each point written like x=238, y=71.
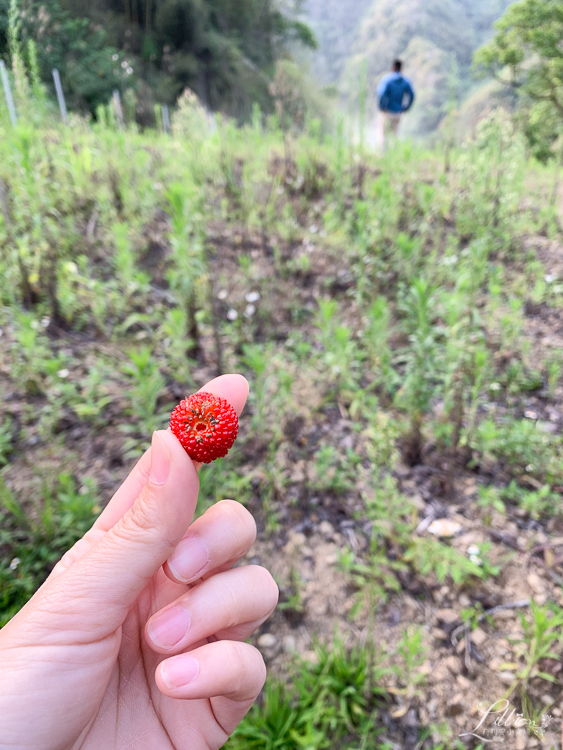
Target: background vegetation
x=398, y=317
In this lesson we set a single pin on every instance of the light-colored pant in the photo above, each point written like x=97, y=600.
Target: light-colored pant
x=388, y=123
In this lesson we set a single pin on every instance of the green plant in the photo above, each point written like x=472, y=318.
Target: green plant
x=541, y=640
x=420, y=361
x=432, y=556
x=33, y=542
x=146, y=384
x=490, y=497
x=413, y=654
x=335, y=697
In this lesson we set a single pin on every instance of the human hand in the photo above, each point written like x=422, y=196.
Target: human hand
x=136, y=639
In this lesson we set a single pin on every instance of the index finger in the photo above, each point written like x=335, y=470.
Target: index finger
x=233, y=388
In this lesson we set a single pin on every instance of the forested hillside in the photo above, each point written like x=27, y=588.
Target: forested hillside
x=436, y=38
x=224, y=50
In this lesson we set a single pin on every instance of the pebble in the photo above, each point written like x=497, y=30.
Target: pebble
x=326, y=529
x=506, y=677
x=453, y=664
x=267, y=640
x=289, y=644
x=535, y=583
x=478, y=637
x=447, y=616
x=463, y=682
x=464, y=601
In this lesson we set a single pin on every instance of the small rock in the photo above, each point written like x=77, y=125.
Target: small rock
x=417, y=501
x=463, y=682
x=464, y=601
x=453, y=664
x=289, y=644
x=506, y=677
x=546, y=699
x=310, y=656
x=504, y=614
x=438, y=634
x=447, y=616
x=267, y=640
x=444, y=527
x=456, y=705
x=478, y=637
x=535, y=583
x=296, y=538
x=326, y=529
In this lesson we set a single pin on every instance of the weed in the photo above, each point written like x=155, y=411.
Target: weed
x=33, y=544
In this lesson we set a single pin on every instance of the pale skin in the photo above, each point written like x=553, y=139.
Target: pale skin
x=137, y=638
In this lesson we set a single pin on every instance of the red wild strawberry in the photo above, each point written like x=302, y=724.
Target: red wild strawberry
x=206, y=425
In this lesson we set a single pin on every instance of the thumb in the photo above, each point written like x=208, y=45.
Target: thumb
x=103, y=584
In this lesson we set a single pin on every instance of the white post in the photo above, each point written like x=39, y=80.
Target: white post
x=118, y=110
x=8, y=93
x=60, y=95
x=165, y=119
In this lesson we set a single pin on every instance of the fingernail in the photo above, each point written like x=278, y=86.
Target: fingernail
x=169, y=627
x=189, y=558
x=160, y=460
x=179, y=671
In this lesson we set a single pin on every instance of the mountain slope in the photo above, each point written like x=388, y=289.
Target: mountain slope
x=436, y=39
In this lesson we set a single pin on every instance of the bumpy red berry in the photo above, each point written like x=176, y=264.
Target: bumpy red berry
x=206, y=425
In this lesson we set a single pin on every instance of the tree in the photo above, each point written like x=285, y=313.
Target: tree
x=224, y=50
x=527, y=56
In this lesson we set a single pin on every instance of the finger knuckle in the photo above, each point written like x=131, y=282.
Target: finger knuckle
x=139, y=521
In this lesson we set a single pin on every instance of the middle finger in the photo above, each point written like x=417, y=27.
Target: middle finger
x=229, y=605
x=214, y=542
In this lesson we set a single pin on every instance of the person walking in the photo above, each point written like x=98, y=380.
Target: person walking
x=395, y=95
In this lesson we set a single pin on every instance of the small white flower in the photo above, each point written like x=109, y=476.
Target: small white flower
x=473, y=549
x=495, y=387
x=124, y=64
x=252, y=297
x=313, y=229
x=249, y=311
x=15, y=562
x=64, y=373
x=550, y=278
x=222, y=294
x=476, y=560
x=45, y=320
x=232, y=314
x=530, y=467
x=115, y=57
x=34, y=324
x=129, y=70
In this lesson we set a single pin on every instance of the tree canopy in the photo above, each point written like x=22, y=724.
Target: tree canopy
x=225, y=50
x=526, y=54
